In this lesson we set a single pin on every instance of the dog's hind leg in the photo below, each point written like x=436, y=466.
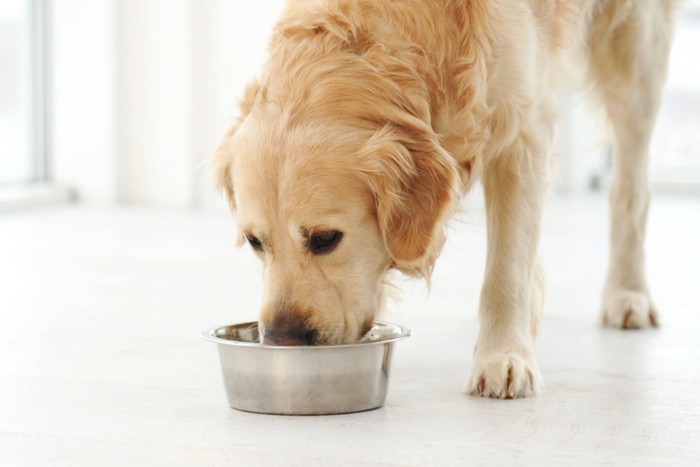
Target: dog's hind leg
x=629, y=46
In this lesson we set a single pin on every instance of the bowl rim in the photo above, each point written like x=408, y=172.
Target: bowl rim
x=209, y=335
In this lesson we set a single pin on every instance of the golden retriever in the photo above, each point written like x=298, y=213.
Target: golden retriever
x=372, y=117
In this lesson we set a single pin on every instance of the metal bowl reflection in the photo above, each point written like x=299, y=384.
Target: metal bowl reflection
x=305, y=380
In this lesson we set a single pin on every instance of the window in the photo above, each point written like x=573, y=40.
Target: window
x=21, y=92
x=675, y=159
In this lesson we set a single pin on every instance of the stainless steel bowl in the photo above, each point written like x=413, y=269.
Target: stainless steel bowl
x=305, y=380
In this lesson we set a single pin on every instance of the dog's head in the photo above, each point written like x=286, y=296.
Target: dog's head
x=333, y=182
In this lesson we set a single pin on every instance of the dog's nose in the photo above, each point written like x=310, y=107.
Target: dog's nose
x=288, y=334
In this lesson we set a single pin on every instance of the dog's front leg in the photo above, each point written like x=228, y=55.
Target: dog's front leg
x=511, y=297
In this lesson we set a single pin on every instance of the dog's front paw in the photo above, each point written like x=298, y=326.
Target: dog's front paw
x=628, y=309
x=506, y=375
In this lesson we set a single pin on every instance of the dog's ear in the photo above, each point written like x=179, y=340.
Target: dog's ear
x=224, y=154
x=414, y=182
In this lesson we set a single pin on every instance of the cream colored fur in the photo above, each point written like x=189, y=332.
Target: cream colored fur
x=371, y=117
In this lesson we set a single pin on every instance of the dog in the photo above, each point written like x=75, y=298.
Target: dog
x=372, y=117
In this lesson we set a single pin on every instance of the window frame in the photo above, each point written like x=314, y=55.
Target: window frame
x=37, y=189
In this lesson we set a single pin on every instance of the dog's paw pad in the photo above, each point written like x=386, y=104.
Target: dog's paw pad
x=504, y=376
x=628, y=309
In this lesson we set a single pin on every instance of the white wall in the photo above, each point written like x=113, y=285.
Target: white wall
x=581, y=145
x=155, y=47
x=83, y=107
x=143, y=91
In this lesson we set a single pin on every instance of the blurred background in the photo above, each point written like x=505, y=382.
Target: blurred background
x=112, y=101
x=116, y=251
x=123, y=101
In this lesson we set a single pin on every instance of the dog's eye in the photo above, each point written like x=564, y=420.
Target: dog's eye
x=254, y=242
x=323, y=243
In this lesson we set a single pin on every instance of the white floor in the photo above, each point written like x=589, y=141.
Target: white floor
x=101, y=361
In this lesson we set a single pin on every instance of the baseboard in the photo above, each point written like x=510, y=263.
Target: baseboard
x=29, y=195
